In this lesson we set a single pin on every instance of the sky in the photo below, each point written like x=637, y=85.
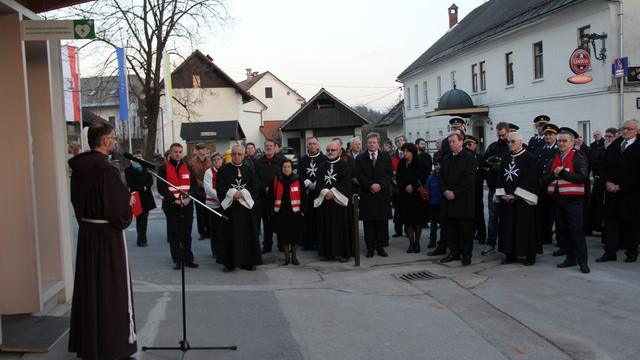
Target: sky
x=355, y=49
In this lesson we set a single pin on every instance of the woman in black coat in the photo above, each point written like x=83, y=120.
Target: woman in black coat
x=287, y=201
x=141, y=181
x=411, y=174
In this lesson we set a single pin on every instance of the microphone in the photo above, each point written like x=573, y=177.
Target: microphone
x=143, y=162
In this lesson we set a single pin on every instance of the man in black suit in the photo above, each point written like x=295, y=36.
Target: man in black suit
x=621, y=175
x=457, y=212
x=374, y=172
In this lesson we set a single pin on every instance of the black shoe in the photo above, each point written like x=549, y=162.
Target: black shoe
x=584, y=268
x=509, y=260
x=176, y=266
x=432, y=244
x=466, y=260
x=294, y=261
x=382, y=253
x=631, y=258
x=529, y=261
x=370, y=253
x=249, y=268
x=396, y=235
x=192, y=265
x=286, y=261
x=227, y=269
x=567, y=263
x=343, y=259
x=416, y=248
x=438, y=251
x=559, y=252
x=607, y=257
x=410, y=249
x=449, y=258
x=265, y=250
x=144, y=244
x=202, y=237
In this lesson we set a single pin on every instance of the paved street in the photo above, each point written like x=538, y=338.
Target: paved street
x=330, y=310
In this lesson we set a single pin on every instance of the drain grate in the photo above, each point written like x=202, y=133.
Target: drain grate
x=417, y=276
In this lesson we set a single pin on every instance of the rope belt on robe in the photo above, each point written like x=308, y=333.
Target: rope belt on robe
x=132, y=334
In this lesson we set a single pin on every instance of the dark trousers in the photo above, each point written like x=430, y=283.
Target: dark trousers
x=479, y=227
x=434, y=211
x=618, y=231
x=459, y=236
x=217, y=229
x=376, y=232
x=202, y=217
x=177, y=231
x=569, y=218
x=267, y=228
x=494, y=216
x=544, y=220
x=141, y=227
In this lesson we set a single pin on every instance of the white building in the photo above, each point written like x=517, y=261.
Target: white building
x=280, y=99
x=512, y=58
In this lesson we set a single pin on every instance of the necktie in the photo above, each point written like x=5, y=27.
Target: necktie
x=623, y=146
x=373, y=159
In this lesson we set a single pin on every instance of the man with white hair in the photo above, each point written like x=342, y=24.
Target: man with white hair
x=621, y=175
x=517, y=189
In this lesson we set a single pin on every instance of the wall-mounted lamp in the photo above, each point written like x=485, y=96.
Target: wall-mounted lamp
x=603, y=50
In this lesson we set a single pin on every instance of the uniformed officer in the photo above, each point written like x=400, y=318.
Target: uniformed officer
x=537, y=140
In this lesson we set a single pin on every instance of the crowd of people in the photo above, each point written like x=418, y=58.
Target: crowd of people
x=554, y=183
x=536, y=189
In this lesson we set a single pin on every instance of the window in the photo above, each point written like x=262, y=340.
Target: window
x=453, y=79
x=538, y=69
x=425, y=89
x=407, y=97
x=416, y=94
x=196, y=80
x=427, y=136
x=474, y=78
x=112, y=120
x=509, y=67
x=268, y=92
x=438, y=87
x=483, y=76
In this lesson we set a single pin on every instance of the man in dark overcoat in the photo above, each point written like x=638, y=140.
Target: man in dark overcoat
x=621, y=175
x=374, y=173
x=457, y=183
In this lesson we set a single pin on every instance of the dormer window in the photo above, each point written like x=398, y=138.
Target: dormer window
x=324, y=104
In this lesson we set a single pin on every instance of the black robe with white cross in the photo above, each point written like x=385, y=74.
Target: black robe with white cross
x=520, y=176
x=241, y=248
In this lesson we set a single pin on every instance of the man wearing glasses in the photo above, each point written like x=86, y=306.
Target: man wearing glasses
x=621, y=175
x=566, y=177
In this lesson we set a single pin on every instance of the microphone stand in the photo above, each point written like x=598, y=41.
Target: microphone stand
x=184, y=343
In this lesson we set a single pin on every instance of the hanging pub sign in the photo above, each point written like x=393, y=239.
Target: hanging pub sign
x=579, y=63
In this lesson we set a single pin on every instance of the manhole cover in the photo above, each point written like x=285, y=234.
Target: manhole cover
x=417, y=276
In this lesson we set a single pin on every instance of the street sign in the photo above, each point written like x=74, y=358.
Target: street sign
x=620, y=67
x=57, y=29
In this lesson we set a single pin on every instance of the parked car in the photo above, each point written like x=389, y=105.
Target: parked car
x=290, y=154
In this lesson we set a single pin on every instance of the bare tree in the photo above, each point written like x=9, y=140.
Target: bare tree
x=146, y=29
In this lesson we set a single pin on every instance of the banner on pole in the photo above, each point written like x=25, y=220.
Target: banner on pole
x=168, y=91
x=123, y=96
x=71, y=84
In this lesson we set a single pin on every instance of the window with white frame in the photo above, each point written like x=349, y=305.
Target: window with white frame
x=438, y=88
x=483, y=76
x=538, y=69
x=474, y=78
x=453, y=79
x=509, y=67
x=407, y=97
x=416, y=94
x=425, y=89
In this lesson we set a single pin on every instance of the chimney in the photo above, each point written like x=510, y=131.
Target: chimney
x=453, y=15
x=249, y=74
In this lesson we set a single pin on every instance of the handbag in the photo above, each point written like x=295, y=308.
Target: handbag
x=424, y=192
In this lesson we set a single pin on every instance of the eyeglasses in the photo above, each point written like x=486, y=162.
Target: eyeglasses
x=113, y=137
x=564, y=140
x=237, y=154
x=512, y=141
x=608, y=136
x=332, y=150
x=624, y=128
